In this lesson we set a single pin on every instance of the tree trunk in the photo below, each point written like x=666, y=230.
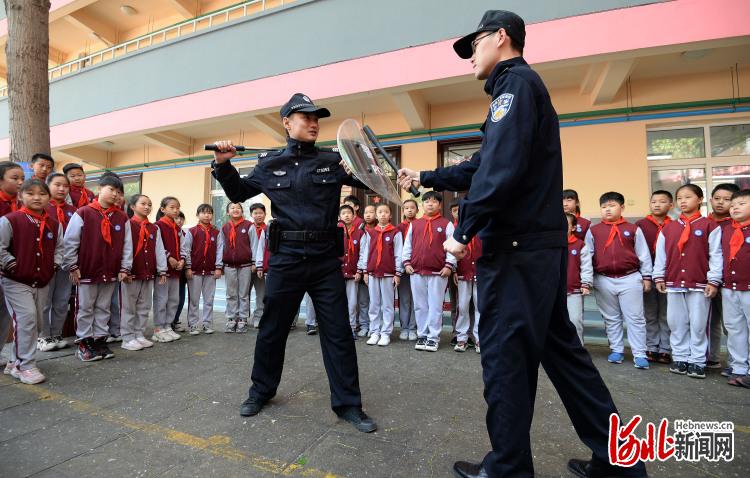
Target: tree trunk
x=27, y=53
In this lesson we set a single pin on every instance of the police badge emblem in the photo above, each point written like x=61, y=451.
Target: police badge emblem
x=500, y=107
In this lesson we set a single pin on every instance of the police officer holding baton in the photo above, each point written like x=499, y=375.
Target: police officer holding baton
x=303, y=183
x=515, y=192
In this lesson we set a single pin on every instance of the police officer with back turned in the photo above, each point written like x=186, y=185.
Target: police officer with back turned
x=515, y=192
x=303, y=183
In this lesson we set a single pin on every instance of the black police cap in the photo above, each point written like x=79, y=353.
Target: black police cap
x=492, y=21
x=300, y=103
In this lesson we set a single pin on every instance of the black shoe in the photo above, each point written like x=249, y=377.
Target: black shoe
x=251, y=407
x=100, y=345
x=462, y=469
x=680, y=368
x=696, y=371
x=454, y=341
x=86, y=351
x=590, y=469
x=312, y=330
x=358, y=418
x=470, y=343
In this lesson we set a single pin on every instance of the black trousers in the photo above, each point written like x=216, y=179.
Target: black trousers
x=286, y=283
x=524, y=322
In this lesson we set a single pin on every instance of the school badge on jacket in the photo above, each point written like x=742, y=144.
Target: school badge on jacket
x=500, y=107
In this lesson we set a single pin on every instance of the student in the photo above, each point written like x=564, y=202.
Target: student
x=202, y=249
x=369, y=221
x=41, y=165
x=115, y=316
x=406, y=316
x=149, y=261
x=11, y=179
x=98, y=254
x=78, y=195
x=167, y=295
x=452, y=287
x=238, y=260
x=350, y=260
x=721, y=197
x=580, y=275
x=176, y=324
x=311, y=324
x=688, y=268
x=370, y=217
x=257, y=282
x=60, y=287
x=465, y=280
x=430, y=267
x=380, y=258
x=736, y=291
x=654, y=303
x=571, y=205
x=28, y=264
x=353, y=202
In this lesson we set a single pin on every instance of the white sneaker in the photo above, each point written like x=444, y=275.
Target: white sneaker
x=207, y=329
x=144, y=342
x=363, y=333
x=384, y=340
x=476, y=347
x=178, y=327
x=195, y=330
x=413, y=336
x=31, y=376
x=9, y=366
x=373, y=340
x=172, y=333
x=132, y=345
x=45, y=344
x=60, y=342
x=404, y=335
x=114, y=338
x=161, y=335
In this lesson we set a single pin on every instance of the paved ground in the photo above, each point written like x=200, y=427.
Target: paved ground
x=173, y=411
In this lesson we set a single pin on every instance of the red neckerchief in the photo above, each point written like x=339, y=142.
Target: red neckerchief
x=42, y=218
x=83, y=197
x=718, y=221
x=172, y=225
x=471, y=246
x=11, y=200
x=349, y=231
x=428, y=227
x=613, y=231
x=59, y=207
x=141, y=234
x=686, y=230
x=737, y=239
x=659, y=227
x=379, y=246
x=572, y=239
x=259, y=228
x=106, y=225
x=207, y=230
x=233, y=232
x=408, y=226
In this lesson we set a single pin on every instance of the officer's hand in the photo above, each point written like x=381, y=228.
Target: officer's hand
x=409, y=270
x=711, y=291
x=188, y=274
x=407, y=178
x=454, y=247
x=661, y=287
x=396, y=281
x=646, y=286
x=217, y=274
x=366, y=279
x=226, y=151
x=75, y=277
x=445, y=272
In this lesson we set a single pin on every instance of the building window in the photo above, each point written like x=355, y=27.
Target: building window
x=220, y=201
x=676, y=144
x=731, y=140
x=452, y=154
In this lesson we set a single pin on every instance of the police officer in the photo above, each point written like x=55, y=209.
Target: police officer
x=515, y=189
x=303, y=183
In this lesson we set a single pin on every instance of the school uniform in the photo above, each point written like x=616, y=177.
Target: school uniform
x=582, y=227
x=237, y=257
x=353, y=237
x=688, y=257
x=258, y=284
x=363, y=297
x=735, y=244
x=79, y=196
x=167, y=296
x=716, y=315
x=8, y=204
x=406, y=317
x=466, y=272
x=149, y=261
x=423, y=250
x=28, y=265
x=203, y=251
x=654, y=302
x=60, y=287
x=380, y=257
x=621, y=261
x=580, y=277
x=98, y=243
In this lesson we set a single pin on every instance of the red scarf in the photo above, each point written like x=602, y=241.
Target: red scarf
x=83, y=198
x=686, y=230
x=659, y=227
x=11, y=200
x=737, y=239
x=233, y=232
x=428, y=227
x=408, y=226
x=350, y=240
x=572, y=239
x=379, y=246
x=141, y=234
x=207, y=230
x=720, y=220
x=42, y=219
x=613, y=231
x=173, y=225
x=106, y=225
x=259, y=228
x=59, y=207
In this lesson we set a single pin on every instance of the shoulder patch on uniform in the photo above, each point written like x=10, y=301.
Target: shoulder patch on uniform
x=500, y=107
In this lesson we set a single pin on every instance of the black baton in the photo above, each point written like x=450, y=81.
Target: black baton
x=388, y=158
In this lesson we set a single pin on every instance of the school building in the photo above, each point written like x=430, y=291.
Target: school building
x=650, y=94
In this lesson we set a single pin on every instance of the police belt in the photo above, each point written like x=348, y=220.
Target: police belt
x=526, y=242
x=308, y=236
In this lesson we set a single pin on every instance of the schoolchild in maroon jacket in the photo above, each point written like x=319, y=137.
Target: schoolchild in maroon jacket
x=98, y=254
x=353, y=202
x=56, y=308
x=465, y=280
x=654, y=303
x=149, y=262
x=572, y=205
x=203, y=251
x=167, y=296
x=406, y=316
x=78, y=195
x=580, y=275
x=257, y=282
x=30, y=252
x=380, y=259
x=352, y=274
x=238, y=261
x=11, y=179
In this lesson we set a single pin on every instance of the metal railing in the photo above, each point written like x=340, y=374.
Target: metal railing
x=163, y=35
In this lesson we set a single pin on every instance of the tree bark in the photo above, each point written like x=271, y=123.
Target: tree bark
x=27, y=53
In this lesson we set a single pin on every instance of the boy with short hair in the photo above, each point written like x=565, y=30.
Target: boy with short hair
x=406, y=316
x=78, y=195
x=352, y=274
x=622, y=273
x=654, y=303
x=98, y=254
x=430, y=267
x=257, y=281
x=353, y=202
x=202, y=250
x=42, y=164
